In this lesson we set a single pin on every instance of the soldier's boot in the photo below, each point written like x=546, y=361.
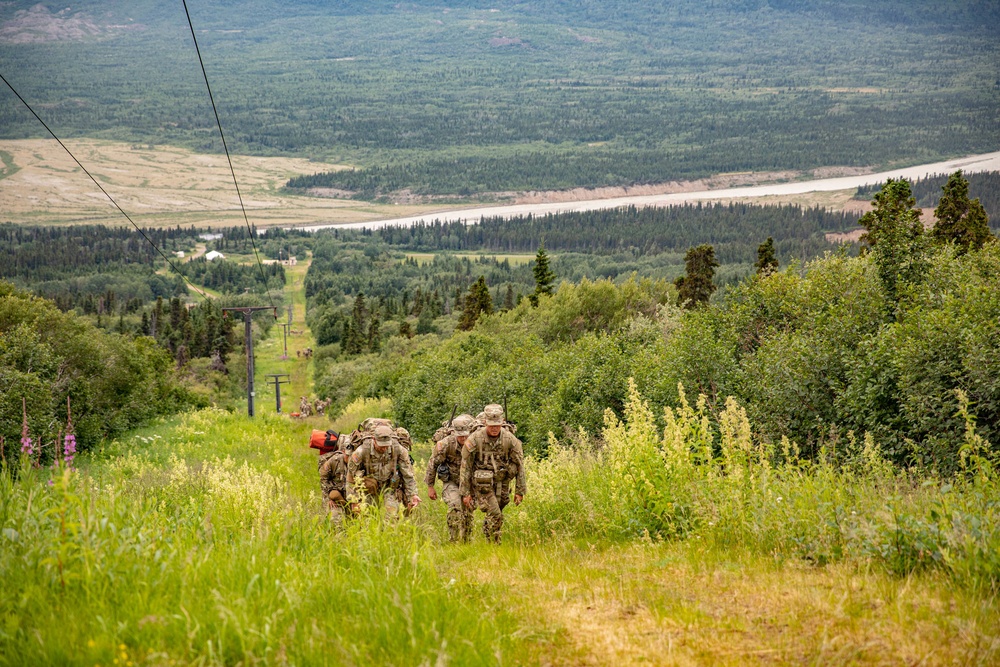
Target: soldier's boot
x=492, y=528
x=454, y=525
x=466, y=526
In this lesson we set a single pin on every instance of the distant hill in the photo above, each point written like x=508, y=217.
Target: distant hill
x=486, y=96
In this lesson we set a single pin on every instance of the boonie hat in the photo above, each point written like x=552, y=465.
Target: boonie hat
x=383, y=434
x=494, y=415
x=461, y=425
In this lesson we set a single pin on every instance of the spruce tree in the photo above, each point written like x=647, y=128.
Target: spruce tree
x=508, y=299
x=894, y=235
x=374, y=333
x=767, y=262
x=544, y=277
x=960, y=220
x=356, y=339
x=477, y=302
x=695, y=287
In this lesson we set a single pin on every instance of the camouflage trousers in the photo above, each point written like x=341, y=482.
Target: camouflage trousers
x=338, y=508
x=459, y=518
x=386, y=497
x=337, y=513
x=488, y=503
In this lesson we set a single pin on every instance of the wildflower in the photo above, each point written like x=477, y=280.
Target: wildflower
x=69, y=442
x=69, y=449
x=26, y=446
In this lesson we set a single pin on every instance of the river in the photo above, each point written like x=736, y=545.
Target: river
x=970, y=164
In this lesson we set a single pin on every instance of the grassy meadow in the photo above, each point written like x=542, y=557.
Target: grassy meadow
x=201, y=540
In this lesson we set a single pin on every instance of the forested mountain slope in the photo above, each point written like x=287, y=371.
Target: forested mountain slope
x=476, y=96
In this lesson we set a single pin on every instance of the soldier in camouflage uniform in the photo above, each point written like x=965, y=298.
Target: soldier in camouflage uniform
x=503, y=495
x=333, y=478
x=404, y=438
x=446, y=465
x=491, y=455
x=371, y=468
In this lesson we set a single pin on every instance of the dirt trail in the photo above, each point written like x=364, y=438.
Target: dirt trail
x=270, y=351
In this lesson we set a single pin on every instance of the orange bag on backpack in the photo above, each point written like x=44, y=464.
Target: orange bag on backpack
x=324, y=441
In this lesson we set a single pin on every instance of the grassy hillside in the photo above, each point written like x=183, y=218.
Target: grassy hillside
x=202, y=540
x=480, y=97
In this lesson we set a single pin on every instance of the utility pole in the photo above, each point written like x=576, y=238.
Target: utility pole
x=276, y=379
x=284, y=330
x=248, y=312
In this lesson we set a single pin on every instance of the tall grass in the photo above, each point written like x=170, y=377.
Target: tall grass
x=207, y=545
x=733, y=492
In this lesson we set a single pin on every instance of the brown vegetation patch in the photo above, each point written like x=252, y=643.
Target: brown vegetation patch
x=335, y=193
x=846, y=237
x=862, y=91
x=39, y=25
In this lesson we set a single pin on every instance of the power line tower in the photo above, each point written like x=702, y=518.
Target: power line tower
x=284, y=330
x=248, y=312
x=276, y=379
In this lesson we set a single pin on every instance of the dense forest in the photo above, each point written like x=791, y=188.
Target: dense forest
x=119, y=283
x=734, y=230
x=647, y=242
x=486, y=97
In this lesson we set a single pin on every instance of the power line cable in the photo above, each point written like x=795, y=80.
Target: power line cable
x=101, y=188
x=230, y=159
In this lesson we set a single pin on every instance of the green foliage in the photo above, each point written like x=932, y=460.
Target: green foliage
x=960, y=220
x=808, y=351
x=895, y=235
x=234, y=278
x=562, y=363
x=114, y=382
x=477, y=302
x=696, y=286
x=718, y=482
x=630, y=232
x=544, y=276
x=984, y=186
x=766, y=263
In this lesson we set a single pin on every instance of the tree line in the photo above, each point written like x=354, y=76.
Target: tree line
x=733, y=229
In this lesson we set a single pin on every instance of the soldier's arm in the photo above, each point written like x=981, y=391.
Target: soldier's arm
x=431, y=475
x=326, y=477
x=465, y=476
x=406, y=473
x=517, y=456
x=352, y=470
